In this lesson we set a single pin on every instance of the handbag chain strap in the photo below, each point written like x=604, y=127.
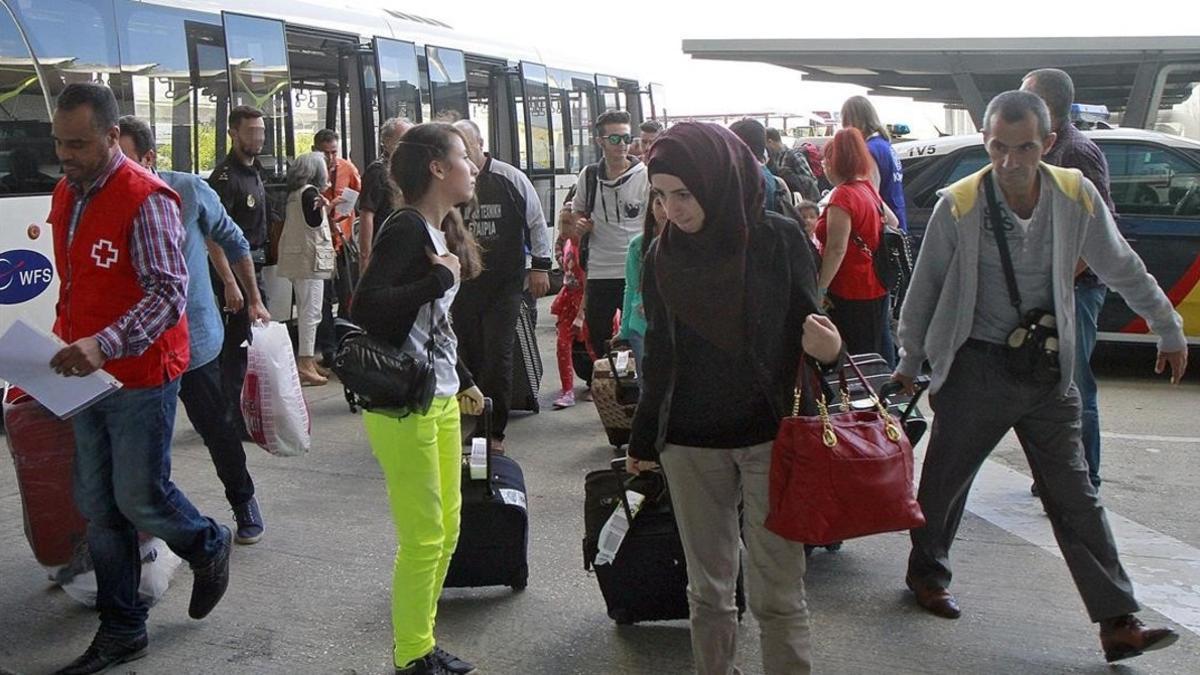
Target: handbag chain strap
x=807, y=372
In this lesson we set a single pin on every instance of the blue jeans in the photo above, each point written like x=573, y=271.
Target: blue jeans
x=1089, y=299
x=638, y=342
x=123, y=486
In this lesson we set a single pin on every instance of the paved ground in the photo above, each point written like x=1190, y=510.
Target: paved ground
x=313, y=596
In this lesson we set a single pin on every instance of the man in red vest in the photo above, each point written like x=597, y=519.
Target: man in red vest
x=117, y=248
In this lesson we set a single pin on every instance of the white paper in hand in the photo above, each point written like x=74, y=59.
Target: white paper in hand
x=349, y=199
x=25, y=354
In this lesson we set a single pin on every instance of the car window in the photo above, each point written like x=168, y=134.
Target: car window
x=967, y=163
x=1152, y=180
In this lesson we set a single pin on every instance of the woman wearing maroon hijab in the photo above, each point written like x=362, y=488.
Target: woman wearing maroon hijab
x=731, y=302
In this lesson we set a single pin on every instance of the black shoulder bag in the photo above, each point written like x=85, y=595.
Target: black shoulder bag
x=1033, y=345
x=377, y=374
x=381, y=375
x=892, y=259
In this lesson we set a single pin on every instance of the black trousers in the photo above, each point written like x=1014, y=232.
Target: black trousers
x=604, y=298
x=862, y=325
x=209, y=412
x=233, y=355
x=485, y=321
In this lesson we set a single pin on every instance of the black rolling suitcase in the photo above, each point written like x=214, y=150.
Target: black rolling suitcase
x=647, y=580
x=527, y=363
x=493, y=540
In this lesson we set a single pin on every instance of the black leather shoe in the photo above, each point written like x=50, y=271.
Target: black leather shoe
x=209, y=582
x=106, y=652
x=1127, y=636
x=934, y=599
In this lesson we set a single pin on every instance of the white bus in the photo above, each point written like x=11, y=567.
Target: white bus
x=181, y=64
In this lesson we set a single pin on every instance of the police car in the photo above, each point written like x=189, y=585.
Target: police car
x=1155, y=185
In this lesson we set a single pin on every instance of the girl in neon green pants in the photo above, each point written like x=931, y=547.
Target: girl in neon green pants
x=404, y=297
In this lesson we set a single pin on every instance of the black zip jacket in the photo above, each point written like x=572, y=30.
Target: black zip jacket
x=781, y=290
x=398, y=281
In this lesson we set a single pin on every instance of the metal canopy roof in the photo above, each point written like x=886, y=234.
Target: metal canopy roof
x=1134, y=74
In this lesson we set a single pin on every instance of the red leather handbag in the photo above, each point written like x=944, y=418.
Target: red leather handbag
x=841, y=474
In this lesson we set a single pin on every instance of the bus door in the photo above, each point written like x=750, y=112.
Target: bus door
x=609, y=95
x=399, y=80
x=631, y=95
x=535, y=132
x=447, y=73
x=487, y=95
x=259, y=76
x=320, y=64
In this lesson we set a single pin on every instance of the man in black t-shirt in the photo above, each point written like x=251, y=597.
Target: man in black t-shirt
x=238, y=181
x=380, y=196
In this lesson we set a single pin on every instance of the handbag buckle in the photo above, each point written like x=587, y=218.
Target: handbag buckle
x=889, y=425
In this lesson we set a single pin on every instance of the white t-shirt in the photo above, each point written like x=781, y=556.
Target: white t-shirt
x=619, y=215
x=445, y=343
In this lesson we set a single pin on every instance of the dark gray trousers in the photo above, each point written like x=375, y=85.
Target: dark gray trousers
x=976, y=406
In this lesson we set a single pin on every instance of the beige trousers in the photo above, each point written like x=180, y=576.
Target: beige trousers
x=707, y=485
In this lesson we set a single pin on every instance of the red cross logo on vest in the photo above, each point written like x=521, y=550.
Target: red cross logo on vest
x=104, y=253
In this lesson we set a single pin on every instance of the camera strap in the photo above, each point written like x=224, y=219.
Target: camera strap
x=1000, y=224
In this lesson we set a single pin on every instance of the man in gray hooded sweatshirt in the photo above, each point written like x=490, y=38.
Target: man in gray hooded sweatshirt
x=960, y=314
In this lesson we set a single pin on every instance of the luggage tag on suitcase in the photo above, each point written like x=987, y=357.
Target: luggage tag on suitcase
x=478, y=460
x=617, y=526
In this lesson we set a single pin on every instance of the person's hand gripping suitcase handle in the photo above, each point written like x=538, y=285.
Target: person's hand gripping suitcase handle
x=470, y=401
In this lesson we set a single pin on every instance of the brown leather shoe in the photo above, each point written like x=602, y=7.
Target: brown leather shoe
x=934, y=599
x=1126, y=636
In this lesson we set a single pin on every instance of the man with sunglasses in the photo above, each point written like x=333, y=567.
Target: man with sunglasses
x=610, y=207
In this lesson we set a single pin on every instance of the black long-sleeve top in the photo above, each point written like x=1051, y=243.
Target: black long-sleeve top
x=684, y=399
x=398, y=281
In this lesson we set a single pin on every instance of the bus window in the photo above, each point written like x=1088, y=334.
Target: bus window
x=579, y=116
x=54, y=29
x=609, y=97
x=210, y=105
x=447, y=82
x=560, y=103
x=399, y=79
x=537, y=110
x=483, y=78
x=258, y=74
x=156, y=70
x=27, y=161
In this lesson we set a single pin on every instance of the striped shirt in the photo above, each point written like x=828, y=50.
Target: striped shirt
x=157, y=258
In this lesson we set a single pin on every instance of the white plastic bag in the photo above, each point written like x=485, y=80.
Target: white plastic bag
x=273, y=405
x=159, y=563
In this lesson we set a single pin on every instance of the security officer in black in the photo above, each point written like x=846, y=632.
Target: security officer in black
x=239, y=183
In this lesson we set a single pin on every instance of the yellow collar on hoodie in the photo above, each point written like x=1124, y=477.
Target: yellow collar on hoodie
x=965, y=192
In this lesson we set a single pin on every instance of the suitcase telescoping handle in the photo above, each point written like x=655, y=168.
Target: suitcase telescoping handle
x=487, y=433
x=892, y=388
x=622, y=477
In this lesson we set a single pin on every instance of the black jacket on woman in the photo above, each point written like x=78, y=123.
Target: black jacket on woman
x=781, y=291
x=398, y=281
